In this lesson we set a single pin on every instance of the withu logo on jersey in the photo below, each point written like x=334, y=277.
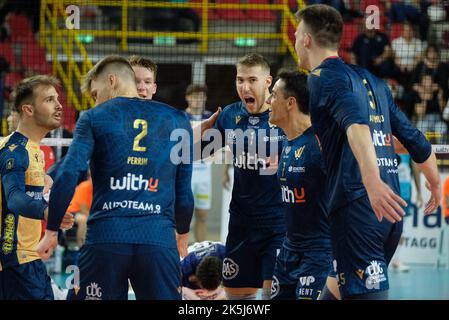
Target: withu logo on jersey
x=381, y=139
x=134, y=183
x=292, y=196
x=230, y=269
x=246, y=161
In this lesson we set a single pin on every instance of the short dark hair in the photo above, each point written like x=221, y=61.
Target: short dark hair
x=196, y=88
x=253, y=60
x=115, y=60
x=324, y=23
x=143, y=62
x=295, y=85
x=24, y=91
x=209, y=272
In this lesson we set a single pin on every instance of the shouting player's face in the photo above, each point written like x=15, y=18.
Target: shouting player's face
x=47, y=109
x=252, y=86
x=146, y=85
x=279, y=105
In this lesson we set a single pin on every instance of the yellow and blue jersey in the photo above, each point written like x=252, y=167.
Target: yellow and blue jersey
x=22, y=205
x=342, y=95
x=255, y=145
x=140, y=155
x=302, y=177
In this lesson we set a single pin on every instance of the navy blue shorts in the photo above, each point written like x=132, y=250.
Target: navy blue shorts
x=300, y=275
x=250, y=255
x=28, y=281
x=154, y=272
x=362, y=248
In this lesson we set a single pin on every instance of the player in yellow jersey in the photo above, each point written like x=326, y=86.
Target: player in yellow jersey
x=22, y=274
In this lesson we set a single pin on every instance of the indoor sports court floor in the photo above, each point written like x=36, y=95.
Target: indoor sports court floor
x=419, y=283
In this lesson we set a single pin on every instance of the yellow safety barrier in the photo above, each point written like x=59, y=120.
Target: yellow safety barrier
x=56, y=37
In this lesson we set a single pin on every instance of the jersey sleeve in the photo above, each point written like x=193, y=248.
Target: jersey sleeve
x=331, y=91
x=184, y=197
x=66, y=177
x=13, y=165
x=413, y=140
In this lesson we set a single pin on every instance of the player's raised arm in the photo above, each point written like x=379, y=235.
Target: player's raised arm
x=65, y=183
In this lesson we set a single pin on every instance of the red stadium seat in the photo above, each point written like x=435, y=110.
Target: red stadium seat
x=33, y=58
x=19, y=27
x=258, y=14
x=231, y=14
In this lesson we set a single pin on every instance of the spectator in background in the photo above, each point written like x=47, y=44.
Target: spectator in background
x=425, y=104
x=407, y=51
x=431, y=64
x=371, y=50
x=196, y=97
x=413, y=11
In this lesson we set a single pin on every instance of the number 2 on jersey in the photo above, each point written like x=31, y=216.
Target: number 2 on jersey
x=137, y=124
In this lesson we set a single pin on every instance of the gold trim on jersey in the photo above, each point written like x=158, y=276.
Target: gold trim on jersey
x=34, y=175
x=28, y=230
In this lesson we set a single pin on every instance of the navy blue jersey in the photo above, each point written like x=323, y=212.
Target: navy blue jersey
x=342, y=95
x=193, y=259
x=302, y=178
x=256, y=146
x=21, y=199
x=140, y=185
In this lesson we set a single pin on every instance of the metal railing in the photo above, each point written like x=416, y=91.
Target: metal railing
x=54, y=35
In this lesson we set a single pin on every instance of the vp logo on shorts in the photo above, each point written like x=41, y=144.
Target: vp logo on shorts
x=230, y=269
